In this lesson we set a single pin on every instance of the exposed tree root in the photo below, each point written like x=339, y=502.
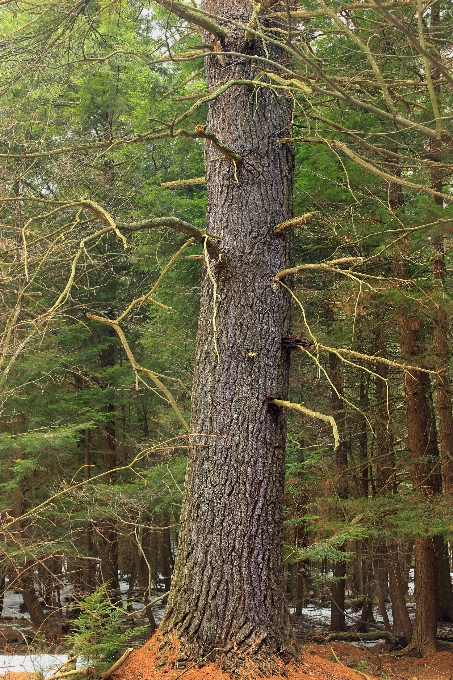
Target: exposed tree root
x=250, y=660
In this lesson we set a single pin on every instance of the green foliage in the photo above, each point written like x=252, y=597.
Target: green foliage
x=330, y=547
x=99, y=635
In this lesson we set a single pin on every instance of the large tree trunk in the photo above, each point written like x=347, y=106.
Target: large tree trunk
x=228, y=596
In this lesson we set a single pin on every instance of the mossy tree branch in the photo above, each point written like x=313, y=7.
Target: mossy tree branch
x=312, y=414
x=294, y=222
x=194, y=16
x=141, y=369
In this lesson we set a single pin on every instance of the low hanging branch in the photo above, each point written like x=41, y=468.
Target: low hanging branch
x=311, y=414
x=141, y=369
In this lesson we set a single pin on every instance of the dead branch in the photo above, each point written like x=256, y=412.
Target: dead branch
x=117, y=664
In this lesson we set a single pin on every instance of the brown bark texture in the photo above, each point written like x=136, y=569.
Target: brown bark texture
x=227, y=598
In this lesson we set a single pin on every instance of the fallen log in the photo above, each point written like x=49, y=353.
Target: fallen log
x=354, y=636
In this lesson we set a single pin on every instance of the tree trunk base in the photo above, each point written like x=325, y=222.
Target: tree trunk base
x=249, y=660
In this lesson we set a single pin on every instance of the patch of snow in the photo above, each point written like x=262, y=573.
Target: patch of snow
x=46, y=664
x=411, y=584
x=13, y=604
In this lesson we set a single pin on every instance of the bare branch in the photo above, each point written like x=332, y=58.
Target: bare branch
x=141, y=369
x=177, y=184
x=312, y=414
x=412, y=39
x=294, y=222
x=174, y=223
x=329, y=266
x=364, y=163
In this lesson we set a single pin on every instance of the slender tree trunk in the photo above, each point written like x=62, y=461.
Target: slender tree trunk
x=402, y=625
x=107, y=527
x=423, y=451
x=88, y=564
x=165, y=554
x=367, y=615
x=228, y=596
x=381, y=579
x=385, y=484
x=31, y=600
x=337, y=597
x=337, y=613
x=2, y=591
x=442, y=363
x=424, y=458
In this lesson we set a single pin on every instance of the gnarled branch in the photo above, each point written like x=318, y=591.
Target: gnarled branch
x=194, y=16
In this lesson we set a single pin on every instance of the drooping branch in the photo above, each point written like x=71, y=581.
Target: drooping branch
x=373, y=358
x=141, y=369
x=379, y=150
x=176, y=224
x=312, y=414
x=412, y=39
x=364, y=163
x=299, y=14
x=148, y=296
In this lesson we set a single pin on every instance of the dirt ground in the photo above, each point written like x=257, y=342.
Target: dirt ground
x=318, y=661
x=332, y=661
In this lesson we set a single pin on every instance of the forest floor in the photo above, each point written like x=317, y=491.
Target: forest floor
x=321, y=657
x=328, y=661
x=331, y=661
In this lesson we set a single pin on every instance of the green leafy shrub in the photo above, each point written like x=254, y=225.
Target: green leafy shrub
x=99, y=635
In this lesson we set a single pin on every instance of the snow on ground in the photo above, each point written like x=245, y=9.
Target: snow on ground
x=47, y=664
x=13, y=605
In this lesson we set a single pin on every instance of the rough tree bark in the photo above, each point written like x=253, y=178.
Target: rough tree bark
x=227, y=601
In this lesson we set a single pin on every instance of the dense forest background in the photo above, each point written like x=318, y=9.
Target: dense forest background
x=102, y=208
